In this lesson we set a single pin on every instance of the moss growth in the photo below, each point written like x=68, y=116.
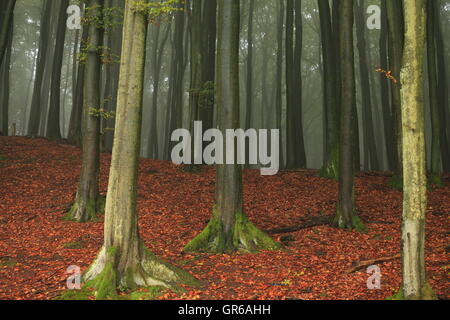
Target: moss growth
x=92, y=207
x=330, y=169
x=356, y=223
x=148, y=271
x=85, y=293
x=74, y=245
x=105, y=283
x=426, y=293
x=150, y=293
x=245, y=236
x=2, y=158
x=396, y=182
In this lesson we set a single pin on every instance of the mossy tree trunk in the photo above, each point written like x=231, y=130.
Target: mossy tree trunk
x=229, y=229
x=414, y=285
x=123, y=261
x=87, y=201
x=346, y=216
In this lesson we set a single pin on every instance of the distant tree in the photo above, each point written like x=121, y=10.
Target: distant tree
x=296, y=156
x=87, y=200
x=346, y=214
x=44, y=39
x=436, y=159
x=53, y=131
x=330, y=168
x=5, y=68
x=229, y=229
x=395, y=45
x=74, y=135
x=371, y=160
x=6, y=15
x=279, y=76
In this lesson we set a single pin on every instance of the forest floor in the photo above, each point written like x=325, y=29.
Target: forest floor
x=39, y=179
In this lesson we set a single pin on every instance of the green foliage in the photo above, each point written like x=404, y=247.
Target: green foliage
x=102, y=113
x=154, y=11
x=205, y=94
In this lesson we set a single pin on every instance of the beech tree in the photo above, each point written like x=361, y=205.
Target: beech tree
x=414, y=285
x=229, y=229
x=87, y=200
x=123, y=261
x=346, y=215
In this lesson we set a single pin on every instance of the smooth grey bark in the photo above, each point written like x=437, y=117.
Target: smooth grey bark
x=123, y=261
x=384, y=89
x=87, y=200
x=370, y=150
x=36, y=108
x=74, y=135
x=346, y=215
x=331, y=116
x=6, y=15
x=5, y=70
x=395, y=44
x=229, y=229
x=53, y=131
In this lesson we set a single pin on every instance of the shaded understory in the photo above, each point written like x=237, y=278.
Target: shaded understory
x=39, y=179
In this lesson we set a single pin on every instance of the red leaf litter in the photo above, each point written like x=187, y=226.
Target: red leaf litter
x=39, y=179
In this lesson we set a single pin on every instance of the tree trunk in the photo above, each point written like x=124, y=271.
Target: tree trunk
x=414, y=284
x=6, y=15
x=157, y=64
x=395, y=40
x=53, y=131
x=346, y=215
x=75, y=126
x=371, y=152
x=124, y=262
x=279, y=77
x=36, y=108
x=384, y=89
x=436, y=163
x=330, y=168
x=4, y=79
x=87, y=201
x=229, y=229
x=443, y=98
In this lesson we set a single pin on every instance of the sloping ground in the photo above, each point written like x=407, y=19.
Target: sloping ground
x=38, y=180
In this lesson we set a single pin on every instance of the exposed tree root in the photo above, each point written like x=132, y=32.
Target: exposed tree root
x=244, y=237
x=355, y=222
x=306, y=223
x=109, y=273
x=82, y=211
x=366, y=263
